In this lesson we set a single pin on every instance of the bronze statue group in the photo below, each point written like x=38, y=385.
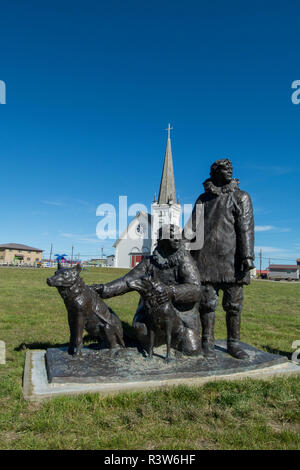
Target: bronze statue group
x=179, y=288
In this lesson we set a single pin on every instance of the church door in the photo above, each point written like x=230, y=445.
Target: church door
x=136, y=259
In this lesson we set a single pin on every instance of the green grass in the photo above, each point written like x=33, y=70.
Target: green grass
x=224, y=415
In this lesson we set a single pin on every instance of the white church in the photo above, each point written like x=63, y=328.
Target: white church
x=140, y=237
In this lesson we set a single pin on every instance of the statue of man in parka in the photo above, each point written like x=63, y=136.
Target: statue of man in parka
x=227, y=255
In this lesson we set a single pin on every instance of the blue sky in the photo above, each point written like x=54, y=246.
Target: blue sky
x=92, y=85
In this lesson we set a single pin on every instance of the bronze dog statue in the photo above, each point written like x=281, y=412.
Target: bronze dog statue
x=86, y=310
x=163, y=323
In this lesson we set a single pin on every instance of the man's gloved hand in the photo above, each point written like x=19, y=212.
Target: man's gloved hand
x=163, y=293
x=98, y=288
x=247, y=264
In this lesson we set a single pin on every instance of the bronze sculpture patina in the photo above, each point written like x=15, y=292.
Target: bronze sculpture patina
x=161, y=318
x=168, y=281
x=169, y=284
x=227, y=256
x=175, y=283
x=86, y=310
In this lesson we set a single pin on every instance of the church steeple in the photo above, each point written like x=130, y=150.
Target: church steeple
x=167, y=193
x=166, y=210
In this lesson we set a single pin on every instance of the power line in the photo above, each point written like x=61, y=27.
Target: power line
x=275, y=258
x=257, y=255
x=96, y=254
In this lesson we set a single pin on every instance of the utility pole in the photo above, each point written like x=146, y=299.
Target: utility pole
x=51, y=254
x=260, y=260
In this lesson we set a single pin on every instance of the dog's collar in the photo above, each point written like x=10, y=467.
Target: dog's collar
x=79, y=283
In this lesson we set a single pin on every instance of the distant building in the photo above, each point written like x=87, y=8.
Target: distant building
x=18, y=254
x=283, y=271
x=47, y=263
x=102, y=262
x=140, y=237
x=110, y=261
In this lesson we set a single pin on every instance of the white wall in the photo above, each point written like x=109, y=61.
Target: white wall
x=132, y=243
x=163, y=214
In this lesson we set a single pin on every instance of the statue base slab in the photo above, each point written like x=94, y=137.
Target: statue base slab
x=54, y=372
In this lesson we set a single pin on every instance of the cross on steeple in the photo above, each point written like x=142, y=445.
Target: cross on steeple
x=169, y=129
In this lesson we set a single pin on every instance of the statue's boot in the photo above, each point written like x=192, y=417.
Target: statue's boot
x=208, y=335
x=234, y=348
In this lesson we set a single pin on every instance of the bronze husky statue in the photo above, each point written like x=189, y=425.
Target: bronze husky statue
x=86, y=310
x=162, y=319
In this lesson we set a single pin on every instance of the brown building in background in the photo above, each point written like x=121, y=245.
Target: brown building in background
x=18, y=254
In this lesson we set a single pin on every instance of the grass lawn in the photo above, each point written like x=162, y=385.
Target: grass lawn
x=225, y=415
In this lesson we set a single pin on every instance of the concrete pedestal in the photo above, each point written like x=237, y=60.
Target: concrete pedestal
x=54, y=372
